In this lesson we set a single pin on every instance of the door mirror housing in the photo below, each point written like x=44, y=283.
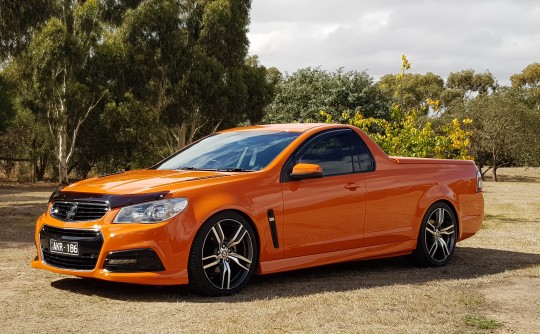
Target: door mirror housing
x=306, y=171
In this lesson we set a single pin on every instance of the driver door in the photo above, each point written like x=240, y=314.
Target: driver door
x=324, y=214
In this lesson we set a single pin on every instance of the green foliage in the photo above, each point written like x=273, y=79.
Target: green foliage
x=102, y=85
x=7, y=111
x=187, y=67
x=404, y=134
x=19, y=20
x=529, y=77
x=468, y=82
x=481, y=322
x=414, y=89
x=505, y=130
x=146, y=77
x=528, y=83
x=301, y=96
x=57, y=74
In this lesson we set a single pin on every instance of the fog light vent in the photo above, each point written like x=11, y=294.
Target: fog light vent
x=135, y=260
x=116, y=262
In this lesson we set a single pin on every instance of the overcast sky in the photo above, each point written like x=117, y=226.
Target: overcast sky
x=501, y=36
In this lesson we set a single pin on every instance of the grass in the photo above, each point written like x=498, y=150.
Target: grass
x=492, y=285
x=481, y=322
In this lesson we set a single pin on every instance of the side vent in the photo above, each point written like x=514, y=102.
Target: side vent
x=273, y=228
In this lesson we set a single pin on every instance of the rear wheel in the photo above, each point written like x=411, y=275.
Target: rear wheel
x=437, y=237
x=223, y=256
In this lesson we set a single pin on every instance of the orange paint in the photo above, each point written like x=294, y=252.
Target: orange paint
x=319, y=221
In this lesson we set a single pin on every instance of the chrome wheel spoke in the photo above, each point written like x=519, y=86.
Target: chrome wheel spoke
x=210, y=265
x=239, y=235
x=430, y=231
x=440, y=217
x=209, y=257
x=238, y=257
x=236, y=260
x=447, y=230
x=218, y=233
x=226, y=276
x=431, y=224
x=433, y=249
x=444, y=248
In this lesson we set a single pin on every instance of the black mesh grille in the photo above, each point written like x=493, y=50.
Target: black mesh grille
x=89, y=242
x=78, y=211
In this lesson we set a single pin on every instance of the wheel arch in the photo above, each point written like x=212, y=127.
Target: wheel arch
x=439, y=192
x=452, y=207
x=244, y=215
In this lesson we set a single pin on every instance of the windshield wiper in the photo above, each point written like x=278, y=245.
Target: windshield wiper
x=187, y=168
x=195, y=168
x=234, y=170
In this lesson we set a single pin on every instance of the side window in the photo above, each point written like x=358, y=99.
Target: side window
x=362, y=159
x=332, y=152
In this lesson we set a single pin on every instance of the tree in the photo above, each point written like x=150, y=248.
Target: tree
x=415, y=89
x=7, y=111
x=529, y=77
x=170, y=83
x=528, y=81
x=504, y=131
x=19, y=21
x=469, y=83
x=150, y=76
x=405, y=135
x=55, y=72
x=187, y=66
x=301, y=96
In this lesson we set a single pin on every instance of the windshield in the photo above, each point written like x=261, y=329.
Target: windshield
x=231, y=151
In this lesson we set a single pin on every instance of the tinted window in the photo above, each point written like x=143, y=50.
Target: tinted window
x=242, y=150
x=332, y=152
x=363, y=162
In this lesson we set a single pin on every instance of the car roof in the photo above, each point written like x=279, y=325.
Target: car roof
x=290, y=127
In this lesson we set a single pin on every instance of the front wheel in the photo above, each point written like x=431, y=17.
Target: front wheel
x=437, y=237
x=223, y=256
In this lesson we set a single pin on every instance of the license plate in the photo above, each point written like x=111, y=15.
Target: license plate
x=64, y=247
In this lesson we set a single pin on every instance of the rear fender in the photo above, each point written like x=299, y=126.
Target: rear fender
x=433, y=195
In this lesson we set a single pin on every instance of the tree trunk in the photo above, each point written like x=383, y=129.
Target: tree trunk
x=61, y=154
x=182, y=132
x=495, y=173
x=41, y=166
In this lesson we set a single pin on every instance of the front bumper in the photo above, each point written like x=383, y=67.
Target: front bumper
x=106, y=249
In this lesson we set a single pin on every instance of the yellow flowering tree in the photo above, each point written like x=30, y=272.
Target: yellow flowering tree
x=405, y=135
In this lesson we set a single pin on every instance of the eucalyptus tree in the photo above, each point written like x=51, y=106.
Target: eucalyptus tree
x=528, y=81
x=6, y=104
x=415, y=89
x=187, y=66
x=303, y=95
x=504, y=131
x=19, y=21
x=54, y=65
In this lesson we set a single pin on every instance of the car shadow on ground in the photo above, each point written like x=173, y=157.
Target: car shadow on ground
x=467, y=263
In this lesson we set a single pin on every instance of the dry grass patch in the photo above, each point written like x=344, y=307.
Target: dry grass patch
x=493, y=276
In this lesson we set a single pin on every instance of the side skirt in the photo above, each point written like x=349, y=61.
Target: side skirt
x=365, y=253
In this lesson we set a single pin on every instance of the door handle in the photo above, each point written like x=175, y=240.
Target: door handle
x=352, y=185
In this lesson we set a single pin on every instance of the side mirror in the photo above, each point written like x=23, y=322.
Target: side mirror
x=306, y=171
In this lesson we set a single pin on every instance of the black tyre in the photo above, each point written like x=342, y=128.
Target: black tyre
x=437, y=236
x=223, y=256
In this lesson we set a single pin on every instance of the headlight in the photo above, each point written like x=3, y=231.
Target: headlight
x=151, y=212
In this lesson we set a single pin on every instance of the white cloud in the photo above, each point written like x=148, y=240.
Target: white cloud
x=501, y=36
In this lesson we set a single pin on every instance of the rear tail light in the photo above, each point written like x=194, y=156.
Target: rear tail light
x=478, y=181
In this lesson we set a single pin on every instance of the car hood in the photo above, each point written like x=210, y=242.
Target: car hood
x=146, y=181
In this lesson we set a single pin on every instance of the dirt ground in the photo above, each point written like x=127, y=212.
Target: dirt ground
x=492, y=285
